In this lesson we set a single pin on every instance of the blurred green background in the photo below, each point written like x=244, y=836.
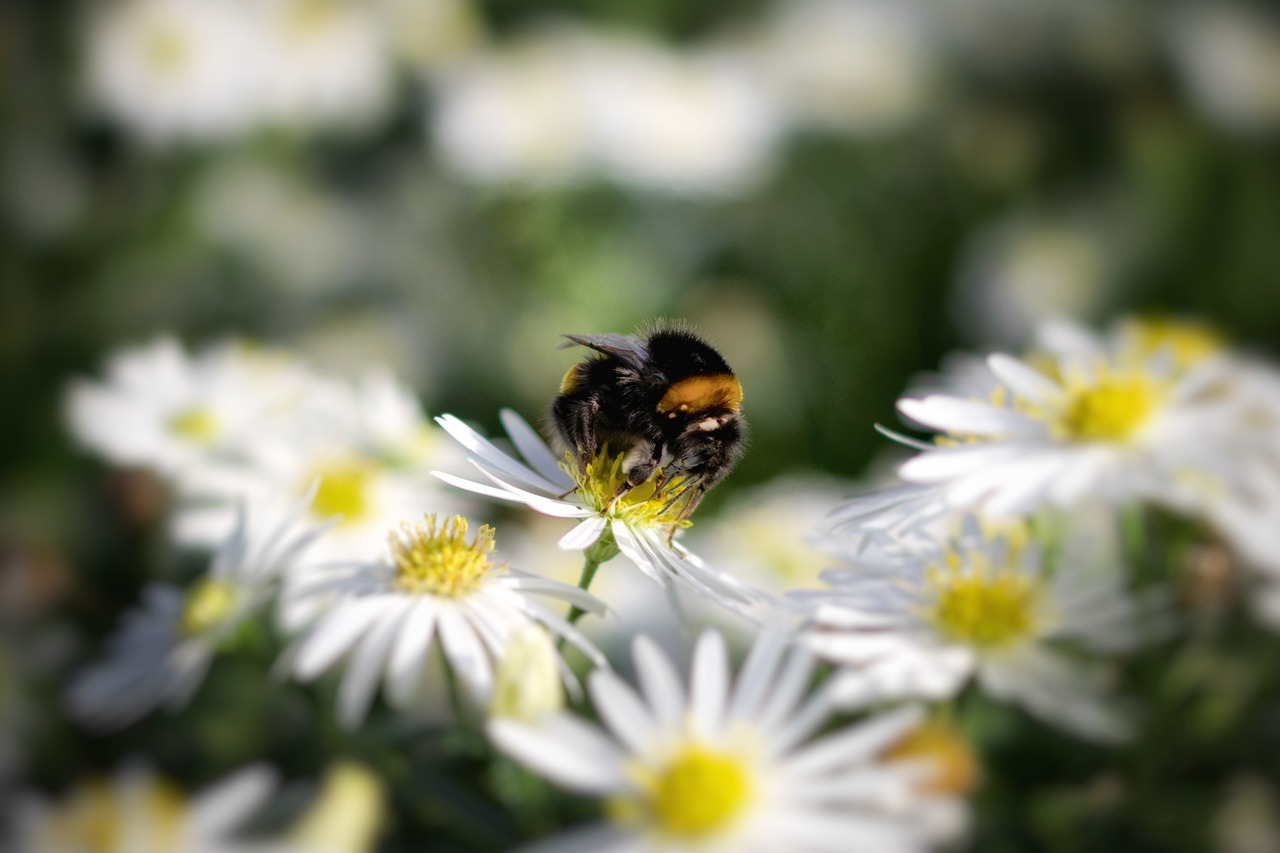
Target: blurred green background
x=1080, y=159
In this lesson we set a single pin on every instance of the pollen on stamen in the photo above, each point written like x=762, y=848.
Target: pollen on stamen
x=435, y=558
x=982, y=605
x=646, y=505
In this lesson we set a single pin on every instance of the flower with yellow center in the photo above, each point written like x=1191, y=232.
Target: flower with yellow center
x=432, y=582
x=344, y=489
x=136, y=811
x=720, y=768
x=953, y=765
x=923, y=618
x=1111, y=424
x=165, y=647
x=638, y=524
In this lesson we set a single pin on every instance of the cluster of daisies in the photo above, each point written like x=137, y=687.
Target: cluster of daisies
x=1000, y=561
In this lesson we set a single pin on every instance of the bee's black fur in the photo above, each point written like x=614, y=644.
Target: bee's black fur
x=613, y=398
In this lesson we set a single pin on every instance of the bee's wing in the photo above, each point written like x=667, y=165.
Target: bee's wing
x=628, y=350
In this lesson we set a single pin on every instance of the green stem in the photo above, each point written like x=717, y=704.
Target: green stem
x=604, y=550
x=456, y=699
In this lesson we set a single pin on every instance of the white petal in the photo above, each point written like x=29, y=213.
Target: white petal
x=1022, y=380
x=566, y=750
x=491, y=457
x=524, y=582
x=659, y=681
x=465, y=653
x=584, y=535
x=966, y=417
x=630, y=548
x=709, y=681
x=534, y=449
x=621, y=709
x=336, y=634
x=232, y=801
x=364, y=670
x=755, y=679
x=947, y=462
x=855, y=744
x=404, y=668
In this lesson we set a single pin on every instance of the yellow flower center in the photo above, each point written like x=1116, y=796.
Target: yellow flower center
x=435, y=559
x=982, y=607
x=207, y=604
x=101, y=818
x=166, y=49
x=1114, y=407
x=196, y=424
x=954, y=766
x=309, y=18
x=646, y=505
x=343, y=490
x=697, y=793
x=1189, y=343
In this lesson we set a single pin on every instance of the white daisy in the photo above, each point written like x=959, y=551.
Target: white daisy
x=924, y=619
x=163, y=650
x=433, y=582
x=1120, y=425
x=174, y=70
x=136, y=812
x=640, y=525
x=329, y=63
x=721, y=767
x=864, y=67
x=163, y=408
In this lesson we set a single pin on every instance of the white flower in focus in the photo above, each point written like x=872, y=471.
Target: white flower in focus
x=859, y=66
x=433, y=583
x=163, y=650
x=923, y=619
x=173, y=70
x=162, y=408
x=327, y=63
x=1117, y=425
x=721, y=766
x=136, y=812
x=640, y=524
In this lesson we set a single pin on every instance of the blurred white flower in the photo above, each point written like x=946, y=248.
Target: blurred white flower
x=137, y=812
x=433, y=582
x=162, y=408
x=687, y=124
x=1102, y=420
x=640, y=524
x=174, y=70
x=565, y=104
x=721, y=767
x=163, y=650
x=1229, y=58
x=1026, y=271
x=347, y=816
x=858, y=66
x=367, y=445
x=429, y=34
x=528, y=682
x=922, y=619
x=515, y=116
x=328, y=63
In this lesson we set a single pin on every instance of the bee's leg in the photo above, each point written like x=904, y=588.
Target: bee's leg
x=639, y=465
x=575, y=417
x=690, y=505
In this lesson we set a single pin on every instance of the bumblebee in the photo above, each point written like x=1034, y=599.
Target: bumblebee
x=667, y=401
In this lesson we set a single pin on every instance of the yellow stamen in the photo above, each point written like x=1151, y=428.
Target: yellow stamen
x=166, y=49
x=698, y=792
x=343, y=490
x=645, y=505
x=431, y=558
x=953, y=763
x=196, y=424
x=1188, y=342
x=980, y=605
x=1113, y=406
x=207, y=604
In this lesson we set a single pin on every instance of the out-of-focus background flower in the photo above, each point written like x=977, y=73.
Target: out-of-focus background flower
x=394, y=202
